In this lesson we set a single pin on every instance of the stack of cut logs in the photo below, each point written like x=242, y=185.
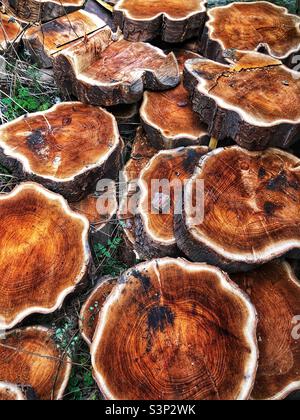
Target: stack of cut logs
x=212, y=311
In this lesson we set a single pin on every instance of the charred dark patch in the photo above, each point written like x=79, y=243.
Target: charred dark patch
x=159, y=317
x=262, y=172
x=191, y=161
x=36, y=140
x=281, y=182
x=269, y=208
x=145, y=280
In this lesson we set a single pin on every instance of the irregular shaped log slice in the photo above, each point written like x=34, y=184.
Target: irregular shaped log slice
x=45, y=41
x=171, y=20
x=44, y=253
x=142, y=152
x=91, y=208
x=254, y=101
x=90, y=311
x=257, y=26
x=31, y=356
x=162, y=184
x=275, y=292
x=11, y=392
x=68, y=148
x=10, y=31
x=168, y=117
x=82, y=69
x=189, y=333
x=249, y=211
x=42, y=10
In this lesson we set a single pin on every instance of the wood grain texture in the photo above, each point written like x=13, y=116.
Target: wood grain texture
x=30, y=356
x=44, y=253
x=254, y=100
x=11, y=392
x=91, y=309
x=250, y=209
x=163, y=180
x=45, y=41
x=275, y=292
x=62, y=149
x=171, y=20
x=82, y=69
x=10, y=29
x=168, y=117
x=256, y=26
x=42, y=10
x=175, y=330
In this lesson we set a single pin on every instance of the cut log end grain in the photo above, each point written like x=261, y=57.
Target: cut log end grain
x=42, y=10
x=142, y=152
x=250, y=211
x=45, y=41
x=45, y=253
x=82, y=69
x=172, y=20
x=254, y=100
x=62, y=149
x=275, y=292
x=168, y=117
x=256, y=26
x=10, y=30
x=90, y=311
x=154, y=226
x=189, y=334
x=31, y=356
x=12, y=392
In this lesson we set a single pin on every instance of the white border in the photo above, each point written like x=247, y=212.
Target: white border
x=212, y=19
x=269, y=252
x=85, y=247
x=11, y=153
x=226, y=284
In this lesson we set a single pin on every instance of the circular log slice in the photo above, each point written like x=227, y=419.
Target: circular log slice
x=188, y=333
x=142, y=152
x=10, y=30
x=30, y=356
x=90, y=311
x=83, y=71
x=168, y=117
x=68, y=148
x=44, y=253
x=42, y=10
x=249, y=211
x=45, y=41
x=162, y=184
x=256, y=26
x=171, y=20
x=254, y=100
x=12, y=392
x=275, y=292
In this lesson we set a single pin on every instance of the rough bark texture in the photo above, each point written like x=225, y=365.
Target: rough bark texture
x=42, y=10
x=31, y=356
x=172, y=20
x=93, y=7
x=37, y=277
x=45, y=41
x=168, y=117
x=62, y=149
x=275, y=292
x=254, y=101
x=142, y=152
x=90, y=312
x=9, y=31
x=82, y=70
x=154, y=227
x=189, y=334
x=250, y=209
x=257, y=26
